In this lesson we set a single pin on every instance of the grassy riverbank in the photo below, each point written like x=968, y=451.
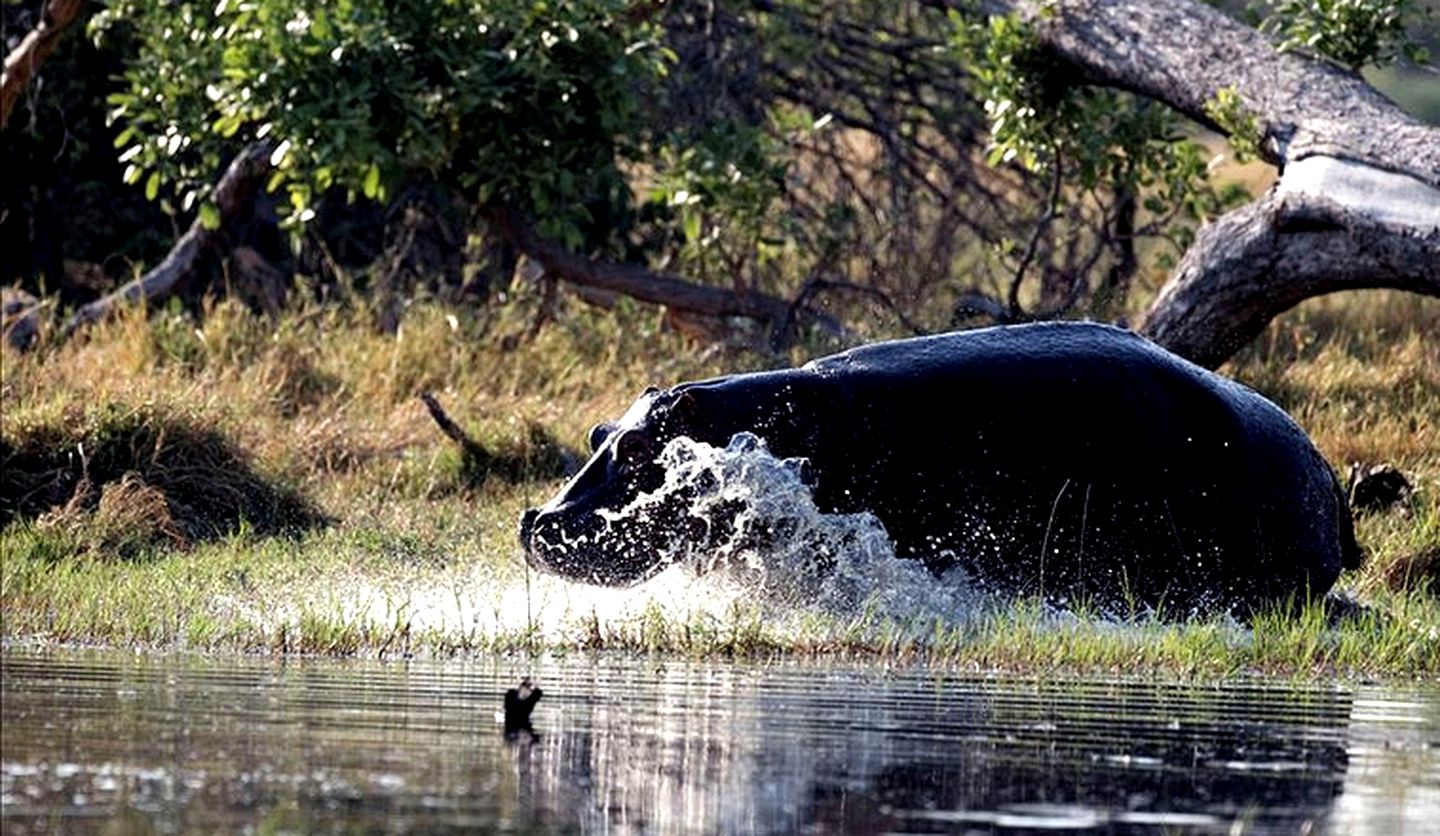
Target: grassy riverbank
x=236, y=484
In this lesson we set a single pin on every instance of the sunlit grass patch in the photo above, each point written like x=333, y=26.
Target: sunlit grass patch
x=412, y=548
x=365, y=593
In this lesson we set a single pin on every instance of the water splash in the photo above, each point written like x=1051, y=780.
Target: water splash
x=757, y=541
x=762, y=532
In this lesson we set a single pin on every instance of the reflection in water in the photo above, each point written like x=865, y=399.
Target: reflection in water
x=115, y=743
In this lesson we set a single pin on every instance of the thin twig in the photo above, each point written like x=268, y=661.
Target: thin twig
x=453, y=430
x=1042, y=227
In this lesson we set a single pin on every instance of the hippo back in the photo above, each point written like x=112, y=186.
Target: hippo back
x=1081, y=461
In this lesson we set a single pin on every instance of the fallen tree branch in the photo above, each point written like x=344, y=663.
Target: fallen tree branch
x=1358, y=200
x=26, y=58
x=1264, y=258
x=234, y=195
x=468, y=445
x=638, y=282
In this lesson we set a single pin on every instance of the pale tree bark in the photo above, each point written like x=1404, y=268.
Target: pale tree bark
x=1357, y=204
x=25, y=59
x=1263, y=259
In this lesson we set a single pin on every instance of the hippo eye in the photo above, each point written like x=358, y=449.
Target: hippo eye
x=632, y=448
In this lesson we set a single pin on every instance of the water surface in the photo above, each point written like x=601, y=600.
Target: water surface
x=113, y=742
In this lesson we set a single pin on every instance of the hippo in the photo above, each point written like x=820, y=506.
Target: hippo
x=1074, y=461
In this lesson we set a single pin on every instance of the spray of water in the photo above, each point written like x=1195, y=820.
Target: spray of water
x=756, y=540
x=763, y=533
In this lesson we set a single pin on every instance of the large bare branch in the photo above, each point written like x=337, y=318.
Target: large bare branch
x=633, y=280
x=25, y=59
x=1264, y=258
x=234, y=196
x=1358, y=200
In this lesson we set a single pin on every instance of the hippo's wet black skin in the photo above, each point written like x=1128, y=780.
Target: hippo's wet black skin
x=1076, y=461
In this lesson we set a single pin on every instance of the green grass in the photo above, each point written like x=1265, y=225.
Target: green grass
x=267, y=595
x=404, y=547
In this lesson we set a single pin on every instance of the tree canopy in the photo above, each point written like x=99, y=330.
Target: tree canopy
x=791, y=163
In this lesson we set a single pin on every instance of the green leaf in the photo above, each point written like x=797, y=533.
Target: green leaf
x=210, y=216
x=152, y=185
x=371, y=186
x=227, y=125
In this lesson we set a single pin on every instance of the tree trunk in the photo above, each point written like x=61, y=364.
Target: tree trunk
x=234, y=196
x=1262, y=259
x=1357, y=204
x=25, y=59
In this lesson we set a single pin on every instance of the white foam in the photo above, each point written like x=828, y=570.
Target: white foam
x=768, y=536
x=768, y=547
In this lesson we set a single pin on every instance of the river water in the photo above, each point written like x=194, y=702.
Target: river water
x=113, y=742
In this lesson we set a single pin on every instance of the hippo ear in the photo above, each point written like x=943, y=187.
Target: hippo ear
x=599, y=433
x=684, y=409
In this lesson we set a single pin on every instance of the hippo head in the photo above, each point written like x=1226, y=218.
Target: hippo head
x=582, y=533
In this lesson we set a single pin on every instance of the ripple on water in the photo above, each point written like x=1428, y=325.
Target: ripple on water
x=647, y=745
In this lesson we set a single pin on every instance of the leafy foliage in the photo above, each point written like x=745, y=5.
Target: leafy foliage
x=1038, y=118
x=531, y=103
x=1028, y=111
x=1353, y=32
x=805, y=144
x=1090, y=140
x=723, y=186
x=1239, y=124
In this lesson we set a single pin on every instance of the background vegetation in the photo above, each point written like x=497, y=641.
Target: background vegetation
x=190, y=474
x=860, y=160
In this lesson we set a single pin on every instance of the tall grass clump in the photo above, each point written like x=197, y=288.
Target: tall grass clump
x=131, y=475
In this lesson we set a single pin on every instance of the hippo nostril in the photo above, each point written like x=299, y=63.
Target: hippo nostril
x=527, y=526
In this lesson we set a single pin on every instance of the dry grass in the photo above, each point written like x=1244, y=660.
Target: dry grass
x=158, y=467
x=1361, y=373
x=129, y=518
x=197, y=433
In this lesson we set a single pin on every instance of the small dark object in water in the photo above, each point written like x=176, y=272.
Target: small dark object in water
x=1377, y=488
x=519, y=702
